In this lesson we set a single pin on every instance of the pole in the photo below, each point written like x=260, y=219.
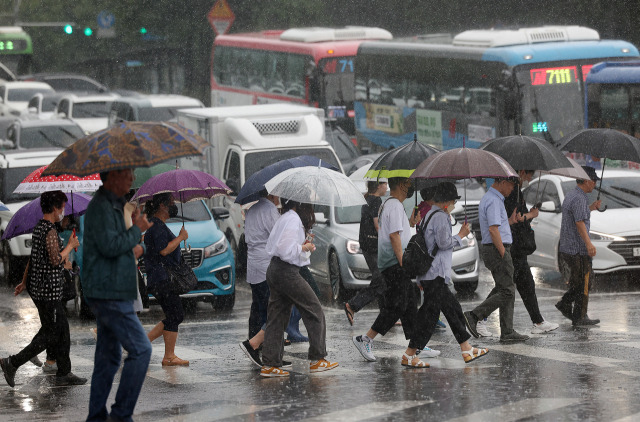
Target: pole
x=604, y=163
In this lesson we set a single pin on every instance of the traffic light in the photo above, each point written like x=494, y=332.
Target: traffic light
x=88, y=31
x=68, y=29
x=143, y=30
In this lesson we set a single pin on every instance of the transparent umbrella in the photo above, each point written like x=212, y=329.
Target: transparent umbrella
x=315, y=185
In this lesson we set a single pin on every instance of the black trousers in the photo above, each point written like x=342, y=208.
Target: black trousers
x=53, y=335
x=437, y=298
x=398, y=302
x=526, y=286
x=259, y=304
x=375, y=289
x=577, y=270
x=171, y=305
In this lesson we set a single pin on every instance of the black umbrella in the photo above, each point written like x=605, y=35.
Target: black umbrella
x=527, y=153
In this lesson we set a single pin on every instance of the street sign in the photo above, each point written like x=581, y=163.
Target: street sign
x=221, y=17
x=106, y=22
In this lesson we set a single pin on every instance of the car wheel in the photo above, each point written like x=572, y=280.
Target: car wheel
x=236, y=256
x=13, y=265
x=224, y=303
x=335, y=279
x=6, y=262
x=82, y=309
x=467, y=287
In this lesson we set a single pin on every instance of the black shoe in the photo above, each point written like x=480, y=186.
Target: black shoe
x=586, y=321
x=472, y=322
x=253, y=355
x=287, y=342
x=9, y=371
x=565, y=309
x=286, y=364
x=513, y=337
x=70, y=379
x=37, y=362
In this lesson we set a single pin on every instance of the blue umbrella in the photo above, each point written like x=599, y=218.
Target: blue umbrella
x=26, y=218
x=3, y=207
x=250, y=192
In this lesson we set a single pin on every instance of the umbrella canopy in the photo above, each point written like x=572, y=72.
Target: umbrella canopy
x=36, y=183
x=3, y=207
x=603, y=143
x=127, y=145
x=575, y=171
x=315, y=185
x=184, y=185
x=527, y=153
x=26, y=218
x=142, y=174
x=250, y=191
x=401, y=161
x=464, y=163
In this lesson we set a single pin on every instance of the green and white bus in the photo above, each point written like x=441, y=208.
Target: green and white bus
x=15, y=49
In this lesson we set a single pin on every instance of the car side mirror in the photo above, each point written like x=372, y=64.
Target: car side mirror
x=62, y=115
x=548, y=206
x=233, y=185
x=8, y=144
x=320, y=218
x=32, y=110
x=220, y=213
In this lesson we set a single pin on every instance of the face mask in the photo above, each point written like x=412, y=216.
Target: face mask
x=61, y=215
x=410, y=191
x=173, y=210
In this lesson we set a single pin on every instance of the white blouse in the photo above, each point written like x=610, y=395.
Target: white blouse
x=286, y=240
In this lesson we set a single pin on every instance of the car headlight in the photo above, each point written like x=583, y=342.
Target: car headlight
x=605, y=237
x=467, y=242
x=217, y=248
x=353, y=246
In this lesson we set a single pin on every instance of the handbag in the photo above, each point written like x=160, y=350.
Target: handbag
x=416, y=259
x=68, y=285
x=182, y=279
x=524, y=239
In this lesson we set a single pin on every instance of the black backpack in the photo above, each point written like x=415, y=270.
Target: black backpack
x=416, y=259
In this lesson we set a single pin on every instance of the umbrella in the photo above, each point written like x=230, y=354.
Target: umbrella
x=315, y=185
x=575, y=171
x=142, y=174
x=250, y=191
x=127, y=145
x=36, y=183
x=3, y=207
x=527, y=153
x=401, y=161
x=26, y=218
x=184, y=185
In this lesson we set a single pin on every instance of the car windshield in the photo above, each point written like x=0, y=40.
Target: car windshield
x=25, y=94
x=617, y=192
x=256, y=161
x=49, y=104
x=157, y=114
x=348, y=215
x=10, y=178
x=49, y=136
x=192, y=211
x=91, y=109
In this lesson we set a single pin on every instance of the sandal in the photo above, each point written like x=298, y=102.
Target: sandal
x=473, y=354
x=174, y=361
x=349, y=313
x=413, y=361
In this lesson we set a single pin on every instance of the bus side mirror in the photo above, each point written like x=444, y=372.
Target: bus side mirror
x=220, y=213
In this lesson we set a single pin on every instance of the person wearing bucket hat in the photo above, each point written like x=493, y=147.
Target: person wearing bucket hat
x=575, y=250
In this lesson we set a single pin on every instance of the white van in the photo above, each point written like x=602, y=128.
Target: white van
x=245, y=139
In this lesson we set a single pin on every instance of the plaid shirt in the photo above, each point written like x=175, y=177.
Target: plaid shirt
x=575, y=207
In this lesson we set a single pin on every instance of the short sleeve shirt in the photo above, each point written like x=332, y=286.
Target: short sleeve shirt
x=575, y=207
x=392, y=219
x=156, y=239
x=258, y=223
x=368, y=236
x=492, y=213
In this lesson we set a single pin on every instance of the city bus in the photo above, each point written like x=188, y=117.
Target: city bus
x=480, y=85
x=15, y=49
x=311, y=66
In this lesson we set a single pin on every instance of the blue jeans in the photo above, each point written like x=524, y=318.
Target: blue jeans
x=118, y=326
x=259, y=304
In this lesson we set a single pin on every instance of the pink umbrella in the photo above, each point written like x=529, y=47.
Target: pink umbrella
x=35, y=183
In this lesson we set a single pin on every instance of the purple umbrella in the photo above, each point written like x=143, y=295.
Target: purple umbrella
x=26, y=218
x=184, y=185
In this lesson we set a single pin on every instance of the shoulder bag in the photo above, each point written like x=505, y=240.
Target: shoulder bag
x=416, y=259
x=182, y=279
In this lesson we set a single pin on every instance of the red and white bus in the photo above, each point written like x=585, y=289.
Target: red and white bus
x=311, y=66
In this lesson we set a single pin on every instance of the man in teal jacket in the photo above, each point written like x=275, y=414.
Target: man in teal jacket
x=109, y=285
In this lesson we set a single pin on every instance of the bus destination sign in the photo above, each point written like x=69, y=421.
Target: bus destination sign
x=554, y=75
x=10, y=46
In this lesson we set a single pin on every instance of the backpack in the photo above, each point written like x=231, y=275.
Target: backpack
x=416, y=259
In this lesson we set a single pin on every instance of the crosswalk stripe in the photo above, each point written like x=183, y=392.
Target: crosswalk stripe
x=185, y=353
x=181, y=375
x=523, y=409
x=557, y=355
x=367, y=411
x=218, y=412
x=630, y=418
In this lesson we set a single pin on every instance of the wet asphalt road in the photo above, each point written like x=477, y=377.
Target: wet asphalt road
x=569, y=374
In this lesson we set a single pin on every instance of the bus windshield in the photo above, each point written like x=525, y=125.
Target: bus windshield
x=615, y=106
x=338, y=80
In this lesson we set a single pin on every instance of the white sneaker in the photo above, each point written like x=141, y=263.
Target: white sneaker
x=365, y=348
x=428, y=352
x=482, y=329
x=544, y=327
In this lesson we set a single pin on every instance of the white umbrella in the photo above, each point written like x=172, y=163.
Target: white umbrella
x=315, y=185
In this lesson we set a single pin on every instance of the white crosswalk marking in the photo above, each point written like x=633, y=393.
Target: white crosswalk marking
x=523, y=409
x=557, y=355
x=367, y=411
x=181, y=375
x=630, y=418
x=217, y=413
x=183, y=352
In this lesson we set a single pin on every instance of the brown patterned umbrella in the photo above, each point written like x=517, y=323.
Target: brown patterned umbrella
x=127, y=145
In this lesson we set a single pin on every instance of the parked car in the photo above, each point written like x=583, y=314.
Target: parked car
x=471, y=192
x=14, y=96
x=90, y=112
x=33, y=134
x=150, y=108
x=615, y=233
x=345, y=149
x=42, y=105
x=69, y=82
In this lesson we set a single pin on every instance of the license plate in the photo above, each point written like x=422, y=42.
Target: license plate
x=636, y=251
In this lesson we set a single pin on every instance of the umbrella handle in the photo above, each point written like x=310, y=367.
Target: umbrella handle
x=603, y=209
x=73, y=234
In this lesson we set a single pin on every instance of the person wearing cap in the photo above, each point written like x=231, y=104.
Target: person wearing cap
x=368, y=239
x=575, y=250
x=435, y=282
x=495, y=252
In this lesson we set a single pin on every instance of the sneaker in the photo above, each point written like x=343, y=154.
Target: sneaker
x=252, y=354
x=37, y=362
x=482, y=329
x=472, y=323
x=513, y=337
x=50, y=368
x=440, y=324
x=586, y=321
x=9, y=371
x=322, y=365
x=365, y=348
x=273, y=372
x=428, y=352
x=544, y=327
x=286, y=364
x=565, y=309
x=70, y=379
